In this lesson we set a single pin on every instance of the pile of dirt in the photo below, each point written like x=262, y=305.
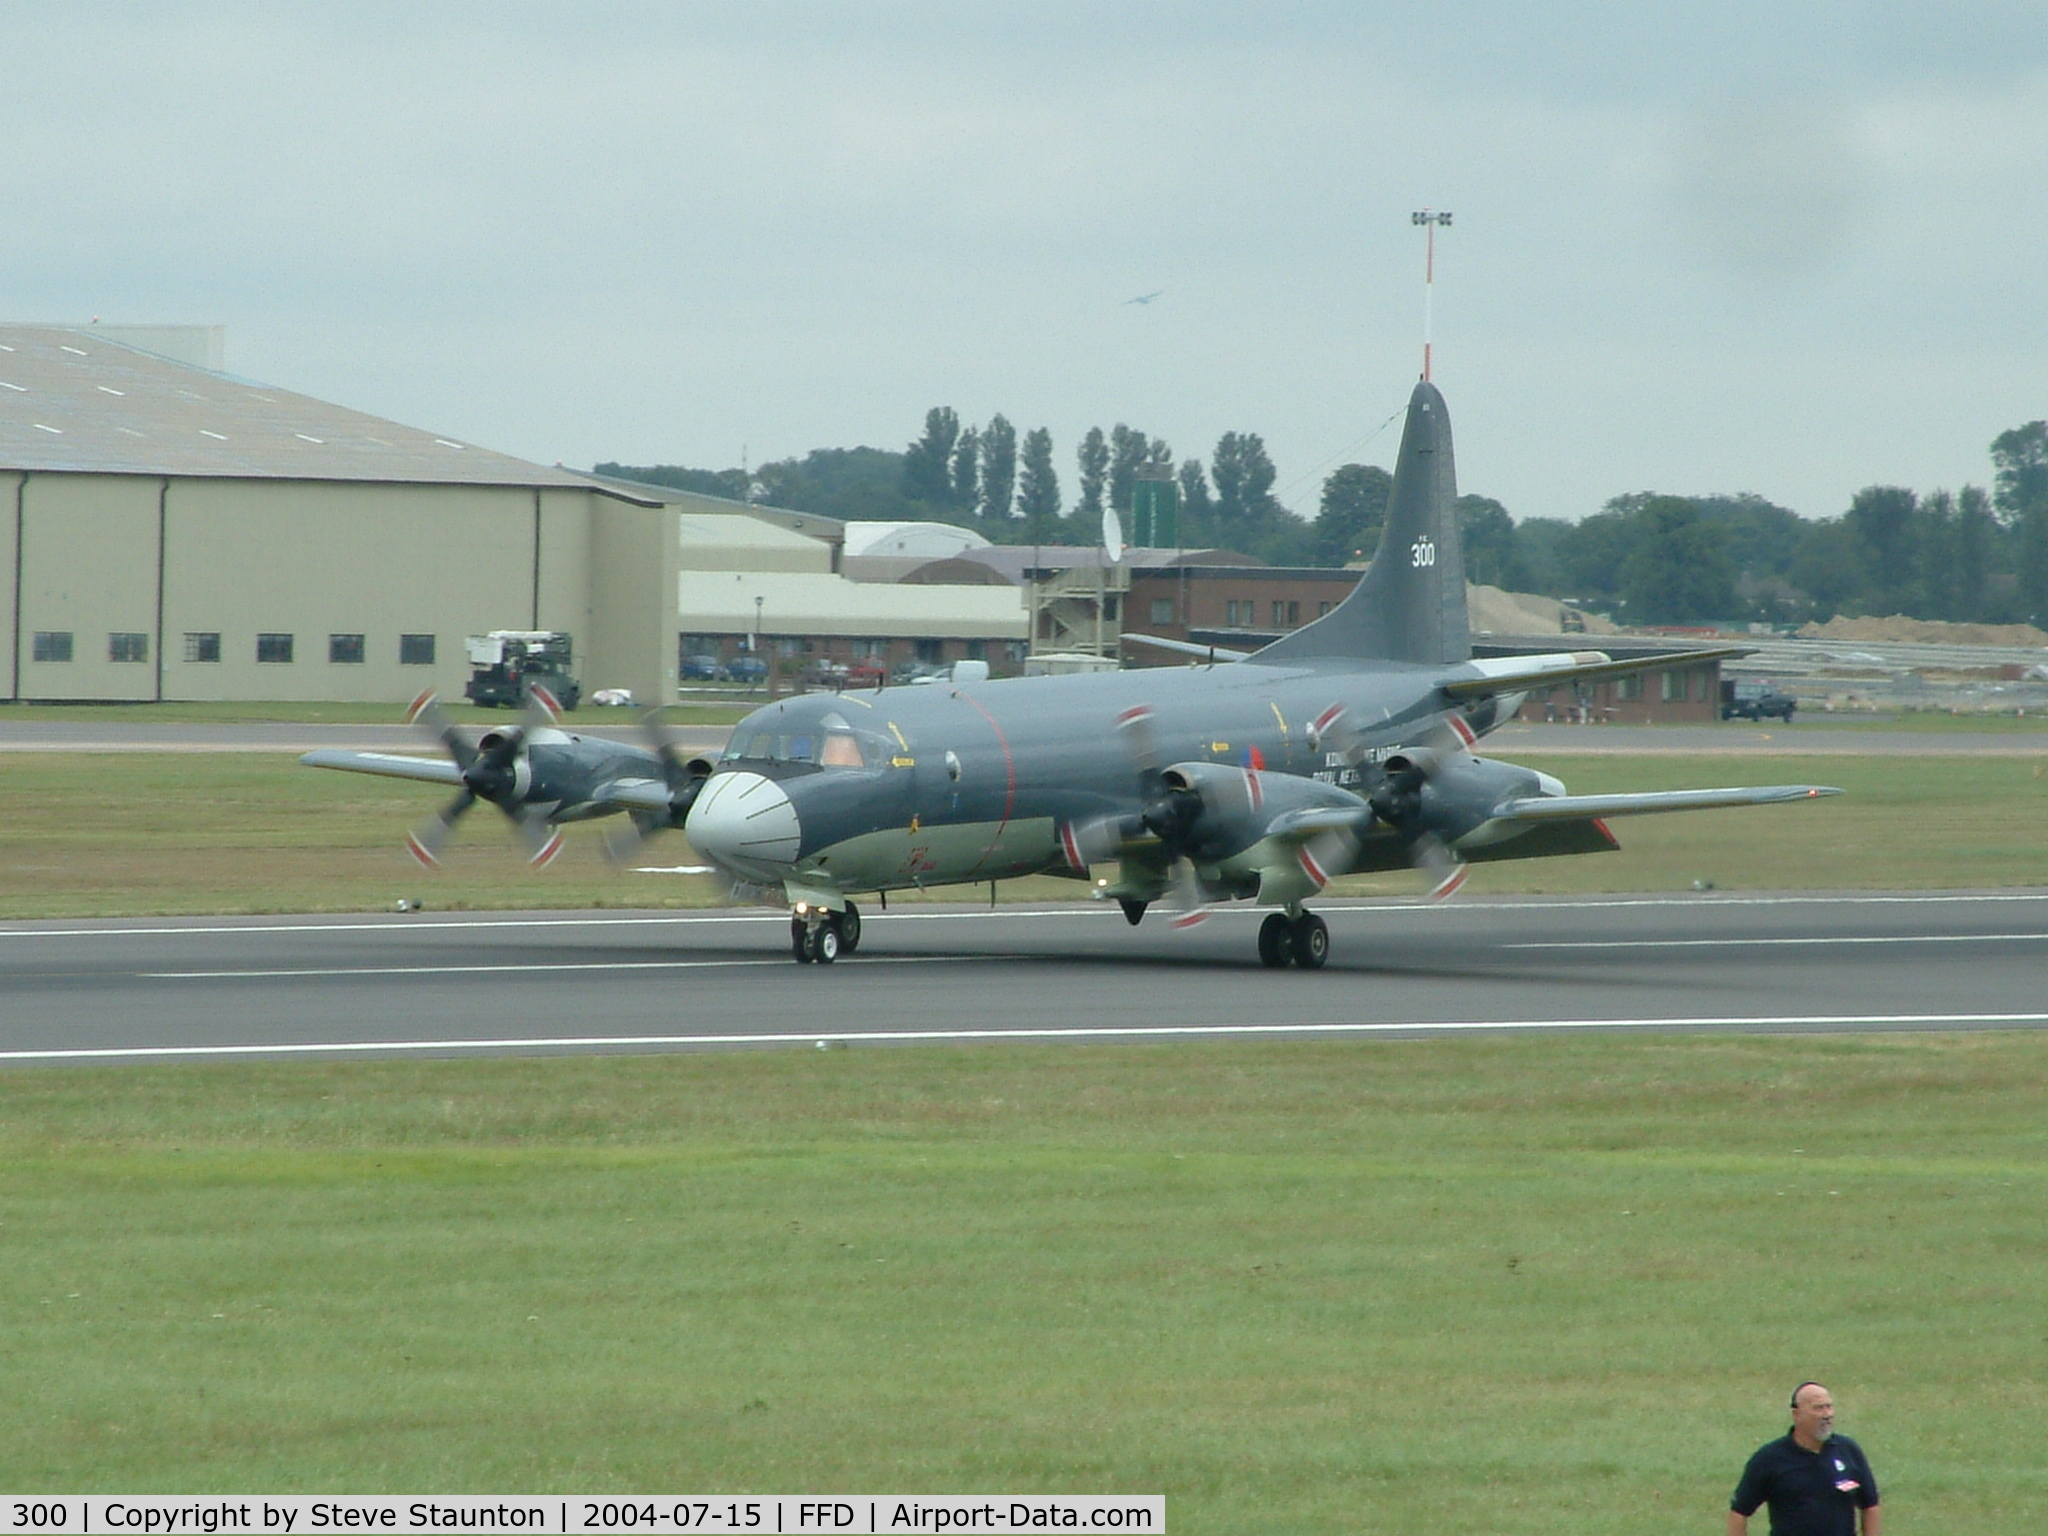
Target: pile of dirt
x=1905, y=631
x=1523, y=613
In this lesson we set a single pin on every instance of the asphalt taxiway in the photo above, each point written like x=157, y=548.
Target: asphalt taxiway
x=454, y=984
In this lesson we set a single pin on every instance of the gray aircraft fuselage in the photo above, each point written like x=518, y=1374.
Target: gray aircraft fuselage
x=948, y=784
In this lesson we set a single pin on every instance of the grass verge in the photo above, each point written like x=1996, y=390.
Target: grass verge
x=1515, y=1285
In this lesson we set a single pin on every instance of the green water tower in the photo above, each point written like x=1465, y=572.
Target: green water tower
x=1155, y=511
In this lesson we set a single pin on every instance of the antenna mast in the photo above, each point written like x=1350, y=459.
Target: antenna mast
x=1430, y=221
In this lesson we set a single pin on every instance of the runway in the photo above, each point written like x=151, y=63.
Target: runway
x=533, y=983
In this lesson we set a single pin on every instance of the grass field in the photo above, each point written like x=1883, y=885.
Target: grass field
x=107, y=834
x=1513, y=1286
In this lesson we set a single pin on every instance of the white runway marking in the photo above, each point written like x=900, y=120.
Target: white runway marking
x=1125, y=1032
x=1904, y=938
x=201, y=926
x=531, y=969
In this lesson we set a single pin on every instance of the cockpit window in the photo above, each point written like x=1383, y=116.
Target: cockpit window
x=830, y=741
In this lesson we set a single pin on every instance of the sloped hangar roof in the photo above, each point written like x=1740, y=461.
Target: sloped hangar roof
x=72, y=401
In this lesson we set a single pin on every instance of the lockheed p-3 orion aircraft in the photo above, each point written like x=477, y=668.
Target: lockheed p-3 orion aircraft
x=1341, y=748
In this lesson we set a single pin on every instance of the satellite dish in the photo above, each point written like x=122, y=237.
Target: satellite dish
x=1112, y=535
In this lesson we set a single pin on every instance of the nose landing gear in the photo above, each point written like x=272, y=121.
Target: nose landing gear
x=819, y=936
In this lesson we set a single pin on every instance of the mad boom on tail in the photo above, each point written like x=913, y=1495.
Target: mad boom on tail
x=1341, y=748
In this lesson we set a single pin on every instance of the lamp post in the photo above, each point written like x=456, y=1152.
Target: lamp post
x=1429, y=220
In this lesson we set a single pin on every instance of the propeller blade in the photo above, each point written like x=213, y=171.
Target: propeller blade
x=1187, y=894
x=542, y=707
x=426, y=840
x=426, y=714
x=543, y=839
x=1445, y=871
x=1141, y=739
x=624, y=839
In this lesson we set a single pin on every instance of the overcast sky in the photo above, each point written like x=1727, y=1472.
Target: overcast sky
x=1792, y=248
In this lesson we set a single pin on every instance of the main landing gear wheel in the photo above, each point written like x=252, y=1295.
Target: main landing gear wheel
x=800, y=940
x=1276, y=941
x=849, y=928
x=1311, y=936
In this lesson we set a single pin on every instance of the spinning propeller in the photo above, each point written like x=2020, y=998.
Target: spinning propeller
x=1406, y=790
x=494, y=769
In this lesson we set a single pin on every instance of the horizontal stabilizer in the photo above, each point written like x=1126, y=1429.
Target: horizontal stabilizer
x=386, y=764
x=1516, y=674
x=1580, y=807
x=1185, y=647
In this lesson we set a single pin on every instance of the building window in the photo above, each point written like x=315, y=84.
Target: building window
x=1230, y=613
x=1675, y=687
x=202, y=645
x=1630, y=688
x=345, y=649
x=274, y=648
x=1293, y=611
x=1162, y=610
x=127, y=647
x=52, y=645
x=1323, y=608
x=415, y=650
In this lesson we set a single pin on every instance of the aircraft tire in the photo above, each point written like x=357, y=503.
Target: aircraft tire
x=1311, y=937
x=800, y=941
x=849, y=929
x=1276, y=942
x=825, y=944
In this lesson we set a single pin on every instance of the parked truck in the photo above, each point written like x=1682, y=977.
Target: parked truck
x=504, y=663
x=1755, y=701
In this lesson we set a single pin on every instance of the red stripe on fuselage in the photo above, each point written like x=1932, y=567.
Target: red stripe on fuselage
x=1009, y=769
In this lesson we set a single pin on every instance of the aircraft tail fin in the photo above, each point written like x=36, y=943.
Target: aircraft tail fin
x=1410, y=603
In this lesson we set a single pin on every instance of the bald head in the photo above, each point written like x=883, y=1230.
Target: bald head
x=1813, y=1415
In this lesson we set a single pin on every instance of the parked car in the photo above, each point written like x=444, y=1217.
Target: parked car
x=747, y=669
x=701, y=669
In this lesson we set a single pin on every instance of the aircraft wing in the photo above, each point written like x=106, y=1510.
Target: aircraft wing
x=389, y=765
x=1582, y=807
x=1517, y=674
x=1186, y=647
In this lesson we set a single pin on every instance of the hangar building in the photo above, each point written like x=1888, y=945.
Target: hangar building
x=168, y=531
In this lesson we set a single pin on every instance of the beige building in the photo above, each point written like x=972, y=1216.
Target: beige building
x=170, y=532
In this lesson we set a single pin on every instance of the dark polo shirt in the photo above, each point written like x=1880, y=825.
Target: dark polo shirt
x=1811, y=1493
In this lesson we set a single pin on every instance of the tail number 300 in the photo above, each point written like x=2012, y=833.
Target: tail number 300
x=1422, y=552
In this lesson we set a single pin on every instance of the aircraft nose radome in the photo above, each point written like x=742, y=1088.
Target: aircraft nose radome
x=746, y=822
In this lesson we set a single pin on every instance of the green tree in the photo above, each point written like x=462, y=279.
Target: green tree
x=1093, y=457
x=1226, y=468
x=1881, y=523
x=1677, y=571
x=1493, y=555
x=1976, y=533
x=998, y=468
x=964, y=483
x=1352, y=511
x=1197, y=510
x=1934, y=535
x=928, y=462
x=1130, y=451
x=1038, y=485
x=2020, y=458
